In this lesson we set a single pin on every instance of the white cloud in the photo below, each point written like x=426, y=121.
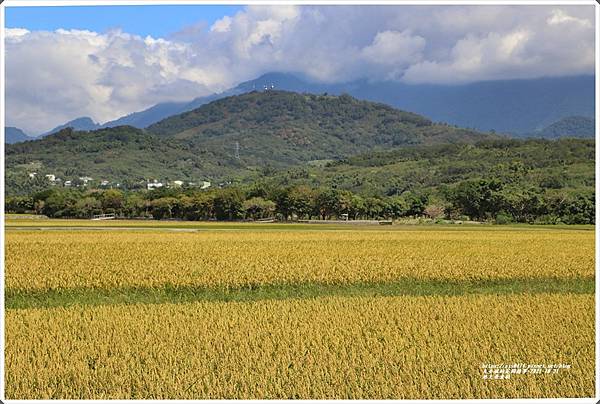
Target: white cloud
x=392, y=52
x=526, y=51
x=395, y=48
x=14, y=33
x=477, y=58
x=56, y=76
x=222, y=25
x=560, y=17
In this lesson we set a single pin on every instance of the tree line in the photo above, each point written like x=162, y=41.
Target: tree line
x=478, y=199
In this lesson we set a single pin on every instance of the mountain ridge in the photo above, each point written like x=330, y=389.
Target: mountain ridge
x=571, y=126
x=15, y=135
x=485, y=105
x=83, y=123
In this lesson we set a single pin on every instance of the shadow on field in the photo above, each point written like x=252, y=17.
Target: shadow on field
x=179, y=294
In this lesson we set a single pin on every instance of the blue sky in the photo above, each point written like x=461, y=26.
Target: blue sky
x=156, y=21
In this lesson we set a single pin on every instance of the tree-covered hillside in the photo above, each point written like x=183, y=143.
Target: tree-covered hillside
x=290, y=128
x=534, y=181
x=123, y=155
x=534, y=163
x=226, y=140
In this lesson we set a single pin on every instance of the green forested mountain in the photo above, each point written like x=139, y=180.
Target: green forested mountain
x=228, y=139
x=539, y=165
x=280, y=127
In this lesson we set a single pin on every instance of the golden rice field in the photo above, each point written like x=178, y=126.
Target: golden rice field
x=398, y=347
x=426, y=345
x=105, y=259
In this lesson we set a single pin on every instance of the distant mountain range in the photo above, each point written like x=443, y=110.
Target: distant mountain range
x=84, y=123
x=571, y=126
x=518, y=107
x=14, y=135
x=231, y=137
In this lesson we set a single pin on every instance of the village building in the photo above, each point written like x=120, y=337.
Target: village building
x=85, y=180
x=154, y=184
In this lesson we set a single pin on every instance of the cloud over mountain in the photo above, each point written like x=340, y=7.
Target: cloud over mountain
x=55, y=76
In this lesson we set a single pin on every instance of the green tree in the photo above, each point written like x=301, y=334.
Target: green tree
x=162, y=208
x=327, y=203
x=302, y=201
x=113, y=201
x=478, y=199
x=87, y=207
x=203, y=206
x=228, y=204
x=258, y=208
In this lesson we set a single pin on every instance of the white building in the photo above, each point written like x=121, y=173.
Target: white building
x=32, y=175
x=104, y=183
x=205, y=184
x=67, y=183
x=51, y=177
x=154, y=185
x=85, y=180
x=178, y=183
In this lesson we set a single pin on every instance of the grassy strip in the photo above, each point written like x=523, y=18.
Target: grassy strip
x=181, y=294
x=66, y=224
